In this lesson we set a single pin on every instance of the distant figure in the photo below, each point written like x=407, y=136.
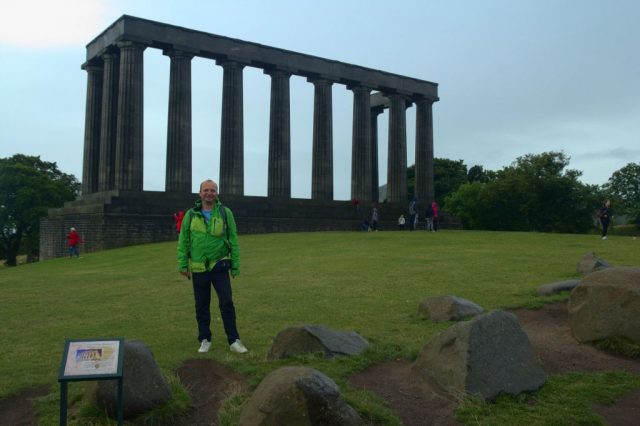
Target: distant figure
x=605, y=218
x=178, y=218
x=412, y=215
x=401, y=222
x=435, y=207
x=356, y=205
x=73, y=239
x=365, y=226
x=429, y=217
x=374, y=220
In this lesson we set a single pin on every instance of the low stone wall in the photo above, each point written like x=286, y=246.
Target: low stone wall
x=117, y=219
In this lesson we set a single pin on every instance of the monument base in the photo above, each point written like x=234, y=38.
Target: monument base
x=113, y=219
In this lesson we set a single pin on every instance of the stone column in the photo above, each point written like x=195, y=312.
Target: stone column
x=107, y=169
x=397, y=156
x=424, y=150
x=279, y=184
x=375, y=181
x=361, y=144
x=178, y=171
x=322, y=167
x=232, y=130
x=129, y=132
x=91, y=155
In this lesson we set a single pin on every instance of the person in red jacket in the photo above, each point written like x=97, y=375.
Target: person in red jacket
x=178, y=218
x=73, y=239
x=436, y=208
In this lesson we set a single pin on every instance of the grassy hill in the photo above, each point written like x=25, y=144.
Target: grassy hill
x=368, y=282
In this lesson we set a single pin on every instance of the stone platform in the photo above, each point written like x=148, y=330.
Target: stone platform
x=113, y=219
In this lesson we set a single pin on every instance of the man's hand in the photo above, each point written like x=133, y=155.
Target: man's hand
x=235, y=273
x=186, y=274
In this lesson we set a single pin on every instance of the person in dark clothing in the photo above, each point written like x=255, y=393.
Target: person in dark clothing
x=413, y=208
x=605, y=218
x=429, y=217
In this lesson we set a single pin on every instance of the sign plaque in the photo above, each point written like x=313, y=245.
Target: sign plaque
x=91, y=359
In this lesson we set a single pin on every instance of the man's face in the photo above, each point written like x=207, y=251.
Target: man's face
x=208, y=192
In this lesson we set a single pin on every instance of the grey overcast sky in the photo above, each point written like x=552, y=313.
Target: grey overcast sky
x=515, y=77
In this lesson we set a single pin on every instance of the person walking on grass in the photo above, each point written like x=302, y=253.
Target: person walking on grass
x=207, y=252
x=605, y=218
x=73, y=239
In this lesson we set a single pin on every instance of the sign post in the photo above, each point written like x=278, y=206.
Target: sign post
x=91, y=359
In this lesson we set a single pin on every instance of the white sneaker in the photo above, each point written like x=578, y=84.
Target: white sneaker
x=238, y=347
x=204, y=346
x=604, y=238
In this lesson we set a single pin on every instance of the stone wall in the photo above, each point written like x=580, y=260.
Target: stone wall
x=117, y=218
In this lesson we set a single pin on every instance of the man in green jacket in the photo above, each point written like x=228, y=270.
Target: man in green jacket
x=207, y=252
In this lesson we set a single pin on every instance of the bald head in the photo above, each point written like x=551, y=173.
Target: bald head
x=208, y=193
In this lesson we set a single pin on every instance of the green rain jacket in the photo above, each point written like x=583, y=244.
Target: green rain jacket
x=201, y=245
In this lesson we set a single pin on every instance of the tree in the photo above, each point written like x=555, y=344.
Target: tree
x=479, y=174
x=448, y=175
x=28, y=188
x=624, y=187
x=534, y=193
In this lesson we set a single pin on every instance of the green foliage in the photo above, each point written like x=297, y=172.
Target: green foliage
x=448, y=176
x=535, y=193
x=28, y=187
x=619, y=345
x=477, y=173
x=624, y=187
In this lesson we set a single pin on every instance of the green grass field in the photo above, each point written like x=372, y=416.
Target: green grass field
x=368, y=282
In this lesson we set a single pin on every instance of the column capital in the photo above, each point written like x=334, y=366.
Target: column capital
x=124, y=44
x=359, y=88
x=93, y=66
x=231, y=64
x=398, y=97
x=320, y=80
x=177, y=53
x=106, y=56
x=420, y=99
x=277, y=72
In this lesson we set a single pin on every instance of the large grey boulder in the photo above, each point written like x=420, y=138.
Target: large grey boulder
x=606, y=304
x=448, y=308
x=591, y=263
x=144, y=388
x=485, y=356
x=557, y=287
x=316, y=339
x=298, y=396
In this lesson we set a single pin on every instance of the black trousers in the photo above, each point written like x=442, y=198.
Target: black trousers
x=202, y=282
x=605, y=225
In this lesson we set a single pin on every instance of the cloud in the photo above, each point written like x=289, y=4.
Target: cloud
x=617, y=153
x=39, y=24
